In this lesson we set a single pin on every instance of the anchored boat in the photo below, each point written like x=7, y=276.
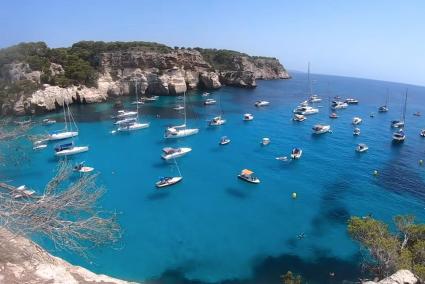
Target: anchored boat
x=172, y=153
x=247, y=175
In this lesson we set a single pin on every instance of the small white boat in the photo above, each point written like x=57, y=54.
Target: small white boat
x=172, y=153
x=210, y=102
x=167, y=181
x=356, y=131
x=124, y=114
x=217, y=121
x=131, y=126
x=339, y=105
x=351, y=101
x=248, y=117
x=265, y=141
x=83, y=169
x=321, y=128
x=39, y=147
x=247, y=175
x=205, y=94
x=356, y=120
x=383, y=109
x=178, y=107
x=397, y=123
x=298, y=117
x=48, y=121
x=361, y=148
x=224, y=140
x=261, y=103
x=69, y=149
x=422, y=133
x=333, y=115
x=314, y=99
x=307, y=110
x=296, y=153
x=399, y=136
x=62, y=135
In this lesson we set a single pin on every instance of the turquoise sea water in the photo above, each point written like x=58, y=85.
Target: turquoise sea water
x=212, y=227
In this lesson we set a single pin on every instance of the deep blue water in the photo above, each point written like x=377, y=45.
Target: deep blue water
x=213, y=227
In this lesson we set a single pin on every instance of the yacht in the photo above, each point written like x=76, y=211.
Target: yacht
x=171, y=153
x=224, y=140
x=125, y=114
x=296, y=153
x=131, y=126
x=321, y=128
x=314, y=99
x=400, y=123
x=356, y=120
x=399, y=136
x=307, y=110
x=247, y=175
x=265, y=141
x=180, y=131
x=339, y=105
x=397, y=123
x=351, y=101
x=68, y=132
x=167, y=181
x=68, y=149
x=384, y=108
x=356, y=131
x=210, y=102
x=422, y=133
x=248, y=117
x=361, y=148
x=217, y=121
x=299, y=117
x=261, y=103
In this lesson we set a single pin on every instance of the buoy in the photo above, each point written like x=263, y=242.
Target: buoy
x=294, y=195
x=421, y=162
x=375, y=172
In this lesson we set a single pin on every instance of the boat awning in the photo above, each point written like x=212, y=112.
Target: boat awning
x=247, y=172
x=168, y=150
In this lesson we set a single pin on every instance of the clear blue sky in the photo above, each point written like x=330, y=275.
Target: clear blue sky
x=372, y=39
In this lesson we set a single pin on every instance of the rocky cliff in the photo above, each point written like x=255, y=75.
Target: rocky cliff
x=35, y=78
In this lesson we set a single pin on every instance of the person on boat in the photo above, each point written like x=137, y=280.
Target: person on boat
x=78, y=166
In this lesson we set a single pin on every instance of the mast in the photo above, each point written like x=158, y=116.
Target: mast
x=309, y=81
x=184, y=104
x=137, y=99
x=404, y=109
x=64, y=115
x=177, y=166
x=388, y=96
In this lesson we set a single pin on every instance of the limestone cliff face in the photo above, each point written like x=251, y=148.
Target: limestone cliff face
x=169, y=72
x=400, y=277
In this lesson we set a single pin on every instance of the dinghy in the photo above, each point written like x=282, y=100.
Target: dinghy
x=248, y=117
x=224, y=140
x=296, y=153
x=362, y=148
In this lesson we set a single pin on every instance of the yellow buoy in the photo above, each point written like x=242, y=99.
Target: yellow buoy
x=294, y=195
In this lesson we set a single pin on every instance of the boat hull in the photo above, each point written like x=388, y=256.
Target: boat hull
x=254, y=181
x=181, y=133
x=72, y=151
x=62, y=135
x=182, y=152
x=172, y=181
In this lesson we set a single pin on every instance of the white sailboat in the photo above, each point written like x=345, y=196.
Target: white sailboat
x=399, y=136
x=312, y=97
x=68, y=131
x=131, y=124
x=218, y=120
x=385, y=108
x=180, y=131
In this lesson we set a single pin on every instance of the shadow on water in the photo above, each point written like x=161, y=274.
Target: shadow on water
x=158, y=195
x=237, y=193
x=270, y=270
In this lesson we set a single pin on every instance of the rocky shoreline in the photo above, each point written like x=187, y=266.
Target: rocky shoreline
x=165, y=71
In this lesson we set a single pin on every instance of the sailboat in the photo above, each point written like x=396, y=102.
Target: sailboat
x=179, y=131
x=332, y=114
x=169, y=180
x=313, y=98
x=400, y=135
x=384, y=108
x=68, y=131
x=131, y=124
x=400, y=123
x=218, y=120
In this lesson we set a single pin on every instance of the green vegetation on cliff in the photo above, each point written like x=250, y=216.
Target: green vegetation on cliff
x=391, y=251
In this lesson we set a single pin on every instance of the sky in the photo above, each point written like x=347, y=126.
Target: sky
x=374, y=39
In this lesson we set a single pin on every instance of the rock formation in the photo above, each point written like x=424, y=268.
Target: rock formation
x=400, y=277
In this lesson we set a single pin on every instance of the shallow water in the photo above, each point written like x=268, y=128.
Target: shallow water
x=212, y=227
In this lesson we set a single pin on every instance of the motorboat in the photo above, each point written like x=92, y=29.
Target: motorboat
x=178, y=107
x=339, y=105
x=167, y=181
x=217, y=121
x=172, y=153
x=399, y=136
x=321, y=128
x=361, y=148
x=265, y=141
x=131, y=126
x=356, y=120
x=422, y=133
x=69, y=149
x=82, y=169
x=261, y=103
x=356, y=131
x=247, y=175
x=314, y=99
x=124, y=114
x=417, y=113
x=205, y=94
x=307, y=110
x=296, y=153
x=224, y=140
x=248, y=117
x=397, y=123
x=48, y=121
x=209, y=102
x=299, y=117
x=333, y=115
x=61, y=135
x=351, y=101
x=383, y=109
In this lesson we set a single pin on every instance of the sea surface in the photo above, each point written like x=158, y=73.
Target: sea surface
x=213, y=227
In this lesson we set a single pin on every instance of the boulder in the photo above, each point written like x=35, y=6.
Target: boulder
x=400, y=277
x=210, y=80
